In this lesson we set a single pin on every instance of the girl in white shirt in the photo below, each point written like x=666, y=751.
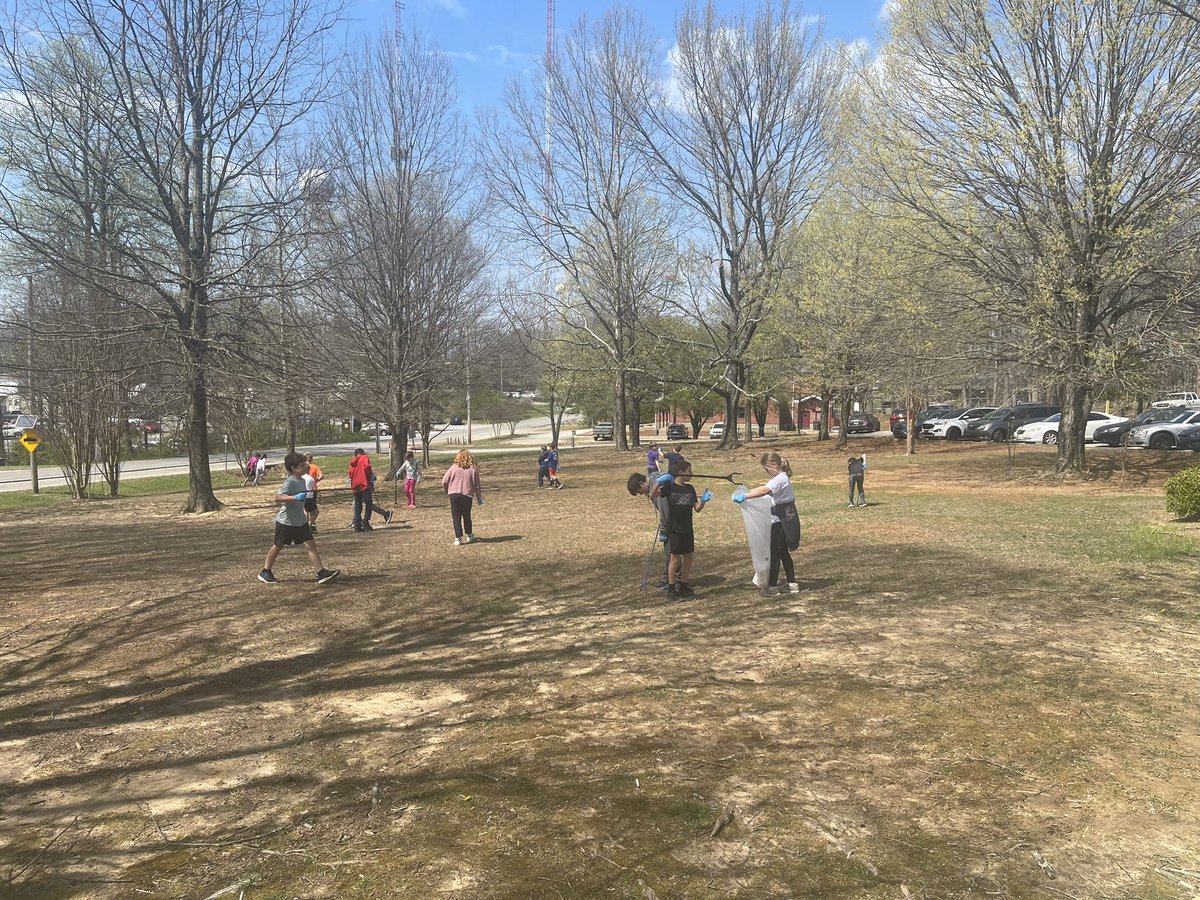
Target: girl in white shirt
x=785, y=523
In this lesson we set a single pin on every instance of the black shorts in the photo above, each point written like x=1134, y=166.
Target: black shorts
x=310, y=505
x=679, y=544
x=292, y=534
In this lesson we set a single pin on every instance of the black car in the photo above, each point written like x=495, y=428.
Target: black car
x=1000, y=425
x=1187, y=440
x=456, y=420
x=1115, y=434
x=677, y=431
x=862, y=423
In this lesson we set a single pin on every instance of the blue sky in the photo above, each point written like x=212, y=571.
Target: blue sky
x=490, y=40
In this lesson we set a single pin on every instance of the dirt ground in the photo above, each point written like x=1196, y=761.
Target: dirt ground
x=986, y=688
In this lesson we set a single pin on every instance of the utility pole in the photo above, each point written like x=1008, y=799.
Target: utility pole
x=33, y=403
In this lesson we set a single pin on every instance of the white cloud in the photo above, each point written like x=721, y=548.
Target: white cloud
x=888, y=10
x=497, y=55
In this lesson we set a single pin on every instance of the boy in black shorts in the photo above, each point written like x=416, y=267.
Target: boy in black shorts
x=291, y=522
x=681, y=540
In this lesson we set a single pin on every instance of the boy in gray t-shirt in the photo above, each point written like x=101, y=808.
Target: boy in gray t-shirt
x=291, y=522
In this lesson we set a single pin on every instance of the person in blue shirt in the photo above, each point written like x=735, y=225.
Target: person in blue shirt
x=543, y=466
x=552, y=466
x=673, y=456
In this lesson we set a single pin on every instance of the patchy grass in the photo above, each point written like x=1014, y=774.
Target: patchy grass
x=988, y=677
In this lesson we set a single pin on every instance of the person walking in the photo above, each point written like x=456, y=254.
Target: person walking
x=362, y=482
x=785, y=521
x=461, y=483
x=673, y=456
x=856, y=468
x=260, y=468
x=291, y=523
x=410, y=474
x=251, y=467
x=681, y=539
x=543, y=467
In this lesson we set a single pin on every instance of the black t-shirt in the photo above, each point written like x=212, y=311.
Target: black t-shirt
x=681, y=503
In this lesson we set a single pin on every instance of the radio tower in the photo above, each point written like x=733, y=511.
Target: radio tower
x=546, y=110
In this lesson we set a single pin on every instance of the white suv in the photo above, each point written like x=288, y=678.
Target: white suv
x=953, y=429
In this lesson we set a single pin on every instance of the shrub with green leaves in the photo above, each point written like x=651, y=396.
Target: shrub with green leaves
x=1183, y=493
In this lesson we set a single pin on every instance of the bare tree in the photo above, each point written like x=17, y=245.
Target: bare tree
x=576, y=196
x=190, y=94
x=740, y=137
x=1033, y=141
x=408, y=271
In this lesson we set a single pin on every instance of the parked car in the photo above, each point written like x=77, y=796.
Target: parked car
x=1189, y=399
x=951, y=427
x=716, y=430
x=900, y=429
x=897, y=416
x=1189, y=439
x=677, y=431
x=1046, y=431
x=1162, y=435
x=1000, y=424
x=603, y=431
x=1118, y=432
x=456, y=420
x=926, y=428
x=862, y=423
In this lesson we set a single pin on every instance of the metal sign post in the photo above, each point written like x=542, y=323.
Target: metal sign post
x=30, y=441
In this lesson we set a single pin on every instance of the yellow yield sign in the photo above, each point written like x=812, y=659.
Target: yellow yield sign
x=30, y=441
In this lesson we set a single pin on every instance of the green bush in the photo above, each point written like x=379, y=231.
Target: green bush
x=1183, y=493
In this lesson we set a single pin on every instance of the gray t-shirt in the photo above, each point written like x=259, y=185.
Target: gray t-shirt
x=292, y=512
x=781, y=492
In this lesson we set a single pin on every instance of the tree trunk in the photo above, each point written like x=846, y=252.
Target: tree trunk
x=843, y=438
x=1071, y=427
x=200, y=490
x=635, y=424
x=735, y=375
x=619, y=413
x=825, y=415
x=749, y=410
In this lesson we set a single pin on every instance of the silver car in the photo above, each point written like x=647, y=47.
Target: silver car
x=1161, y=435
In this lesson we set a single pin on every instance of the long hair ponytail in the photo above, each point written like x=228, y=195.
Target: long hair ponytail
x=778, y=462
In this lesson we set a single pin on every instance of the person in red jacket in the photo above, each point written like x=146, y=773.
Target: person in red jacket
x=362, y=482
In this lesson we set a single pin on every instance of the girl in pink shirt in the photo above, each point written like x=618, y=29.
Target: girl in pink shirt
x=461, y=483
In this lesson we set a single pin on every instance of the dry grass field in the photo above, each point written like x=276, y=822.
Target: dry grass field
x=986, y=688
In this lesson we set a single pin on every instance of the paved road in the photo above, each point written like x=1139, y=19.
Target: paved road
x=529, y=433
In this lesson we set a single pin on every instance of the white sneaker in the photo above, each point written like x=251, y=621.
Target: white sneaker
x=458, y=542
x=793, y=588
x=470, y=538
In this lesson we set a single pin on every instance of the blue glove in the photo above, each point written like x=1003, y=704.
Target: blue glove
x=481, y=501
x=739, y=496
x=706, y=496
x=663, y=479
x=303, y=495
x=663, y=537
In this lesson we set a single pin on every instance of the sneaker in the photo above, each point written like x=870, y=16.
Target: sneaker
x=327, y=575
x=664, y=585
x=266, y=576
x=771, y=591
x=470, y=539
x=558, y=487
x=852, y=504
x=366, y=526
x=793, y=587
x=387, y=517
x=458, y=542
